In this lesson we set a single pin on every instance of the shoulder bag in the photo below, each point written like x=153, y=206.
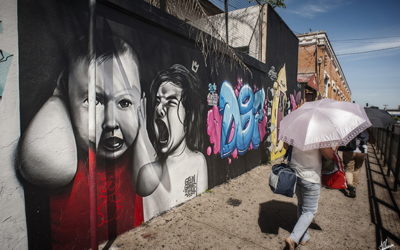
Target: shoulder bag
x=282, y=179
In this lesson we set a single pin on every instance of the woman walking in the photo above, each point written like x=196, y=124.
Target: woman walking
x=313, y=129
x=307, y=165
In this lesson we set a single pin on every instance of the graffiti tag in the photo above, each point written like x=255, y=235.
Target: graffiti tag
x=190, y=186
x=240, y=122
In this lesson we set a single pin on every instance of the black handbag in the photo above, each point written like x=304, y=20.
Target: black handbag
x=283, y=179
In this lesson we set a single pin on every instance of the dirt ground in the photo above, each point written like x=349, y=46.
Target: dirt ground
x=245, y=214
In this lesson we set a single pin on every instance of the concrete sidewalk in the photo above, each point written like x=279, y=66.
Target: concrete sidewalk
x=245, y=214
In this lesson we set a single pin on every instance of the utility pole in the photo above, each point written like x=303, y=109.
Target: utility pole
x=385, y=106
x=226, y=21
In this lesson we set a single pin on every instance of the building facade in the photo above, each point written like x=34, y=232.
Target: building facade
x=319, y=68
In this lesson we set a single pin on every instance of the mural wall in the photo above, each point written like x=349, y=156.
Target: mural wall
x=170, y=123
x=283, y=91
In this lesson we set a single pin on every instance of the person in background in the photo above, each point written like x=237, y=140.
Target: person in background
x=354, y=154
x=310, y=94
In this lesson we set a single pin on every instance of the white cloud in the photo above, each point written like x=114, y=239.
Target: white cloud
x=369, y=56
x=361, y=45
x=312, y=8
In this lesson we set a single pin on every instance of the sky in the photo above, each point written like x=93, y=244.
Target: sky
x=354, y=26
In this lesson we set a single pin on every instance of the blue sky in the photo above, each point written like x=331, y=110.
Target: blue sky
x=354, y=26
x=357, y=26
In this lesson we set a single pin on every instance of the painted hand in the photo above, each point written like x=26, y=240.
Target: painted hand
x=145, y=168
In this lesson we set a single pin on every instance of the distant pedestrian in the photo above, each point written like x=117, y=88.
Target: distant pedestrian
x=354, y=154
x=308, y=165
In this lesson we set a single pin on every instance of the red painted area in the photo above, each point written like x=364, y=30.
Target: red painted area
x=118, y=208
x=92, y=199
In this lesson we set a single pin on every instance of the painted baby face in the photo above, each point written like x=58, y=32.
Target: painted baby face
x=169, y=118
x=117, y=100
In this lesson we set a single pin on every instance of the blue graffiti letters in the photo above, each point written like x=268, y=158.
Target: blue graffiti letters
x=240, y=117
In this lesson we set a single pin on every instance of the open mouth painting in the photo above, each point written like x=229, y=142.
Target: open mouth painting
x=113, y=143
x=162, y=133
x=111, y=146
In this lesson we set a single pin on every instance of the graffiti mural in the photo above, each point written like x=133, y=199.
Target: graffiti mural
x=5, y=62
x=175, y=115
x=281, y=79
x=170, y=123
x=278, y=108
x=238, y=123
x=61, y=125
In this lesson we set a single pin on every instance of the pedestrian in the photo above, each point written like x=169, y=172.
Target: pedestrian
x=307, y=165
x=354, y=154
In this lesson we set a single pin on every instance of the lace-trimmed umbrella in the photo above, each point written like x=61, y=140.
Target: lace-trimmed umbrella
x=324, y=123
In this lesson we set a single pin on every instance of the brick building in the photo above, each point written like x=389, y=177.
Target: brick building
x=319, y=69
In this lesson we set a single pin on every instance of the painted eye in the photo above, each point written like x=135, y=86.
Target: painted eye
x=125, y=103
x=173, y=103
x=87, y=102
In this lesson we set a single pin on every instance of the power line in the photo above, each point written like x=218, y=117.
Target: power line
x=387, y=41
x=367, y=38
x=367, y=51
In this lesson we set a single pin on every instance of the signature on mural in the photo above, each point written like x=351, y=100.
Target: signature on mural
x=238, y=123
x=190, y=188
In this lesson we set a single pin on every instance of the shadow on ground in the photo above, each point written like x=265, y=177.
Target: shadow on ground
x=383, y=199
x=279, y=214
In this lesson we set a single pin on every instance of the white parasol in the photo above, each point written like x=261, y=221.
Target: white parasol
x=324, y=123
